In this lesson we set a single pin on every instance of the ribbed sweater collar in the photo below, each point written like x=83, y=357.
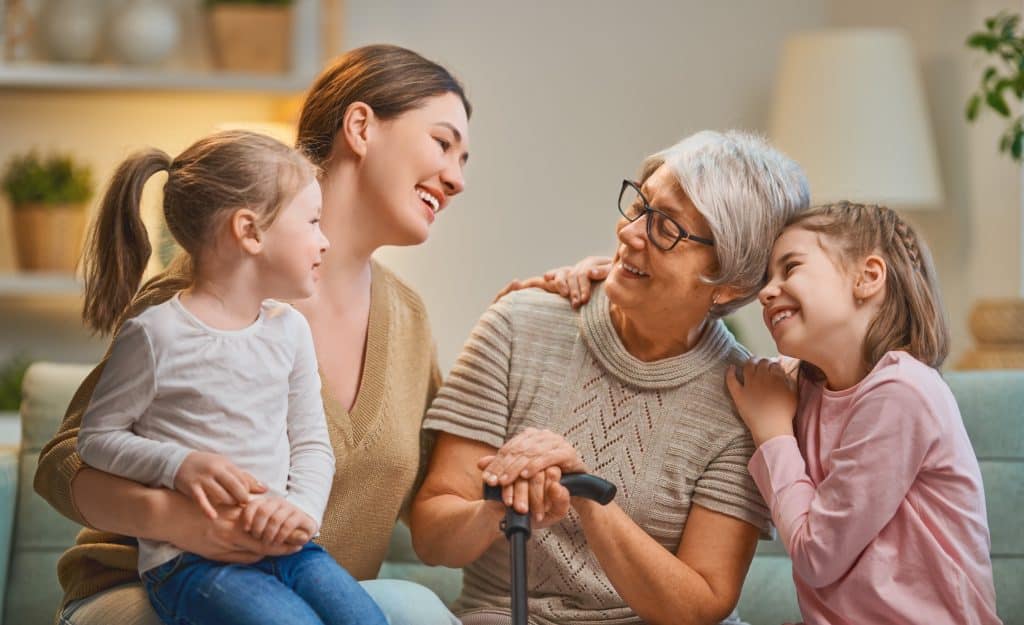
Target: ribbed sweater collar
x=604, y=343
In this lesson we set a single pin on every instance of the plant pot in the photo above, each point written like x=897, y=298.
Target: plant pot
x=49, y=236
x=252, y=39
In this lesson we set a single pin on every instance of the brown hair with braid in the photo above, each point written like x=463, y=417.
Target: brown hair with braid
x=212, y=178
x=911, y=318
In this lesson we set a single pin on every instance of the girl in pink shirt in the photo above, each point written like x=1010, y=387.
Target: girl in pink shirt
x=874, y=486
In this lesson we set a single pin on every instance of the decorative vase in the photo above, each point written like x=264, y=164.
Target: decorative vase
x=72, y=30
x=997, y=325
x=144, y=32
x=252, y=38
x=49, y=236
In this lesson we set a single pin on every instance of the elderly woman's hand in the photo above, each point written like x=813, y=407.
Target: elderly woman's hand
x=528, y=453
x=542, y=496
x=571, y=282
x=765, y=396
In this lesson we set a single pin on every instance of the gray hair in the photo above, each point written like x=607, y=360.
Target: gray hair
x=746, y=190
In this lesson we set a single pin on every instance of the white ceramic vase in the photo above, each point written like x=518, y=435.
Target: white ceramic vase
x=144, y=32
x=72, y=30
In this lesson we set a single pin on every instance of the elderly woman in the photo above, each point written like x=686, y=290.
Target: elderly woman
x=629, y=387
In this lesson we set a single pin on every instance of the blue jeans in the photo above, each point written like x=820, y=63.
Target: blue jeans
x=305, y=588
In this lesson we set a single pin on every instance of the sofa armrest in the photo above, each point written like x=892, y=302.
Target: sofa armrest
x=8, y=500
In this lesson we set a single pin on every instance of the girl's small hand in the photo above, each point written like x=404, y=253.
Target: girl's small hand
x=222, y=539
x=528, y=453
x=276, y=521
x=766, y=398
x=213, y=479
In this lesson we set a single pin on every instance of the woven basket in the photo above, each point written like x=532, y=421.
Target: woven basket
x=998, y=321
x=49, y=236
x=252, y=39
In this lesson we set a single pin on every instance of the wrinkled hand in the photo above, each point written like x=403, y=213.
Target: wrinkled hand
x=528, y=453
x=575, y=282
x=213, y=479
x=276, y=521
x=572, y=282
x=222, y=539
x=541, y=496
x=766, y=398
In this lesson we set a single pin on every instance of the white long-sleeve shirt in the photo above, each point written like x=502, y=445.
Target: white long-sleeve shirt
x=173, y=385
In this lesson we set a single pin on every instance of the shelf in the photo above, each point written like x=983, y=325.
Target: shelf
x=186, y=76
x=70, y=76
x=30, y=284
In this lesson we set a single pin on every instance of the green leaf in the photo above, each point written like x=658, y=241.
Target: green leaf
x=990, y=23
x=983, y=40
x=990, y=73
x=997, y=102
x=1018, y=145
x=972, y=107
x=1010, y=25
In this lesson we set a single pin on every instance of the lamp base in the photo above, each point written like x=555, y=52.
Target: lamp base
x=997, y=325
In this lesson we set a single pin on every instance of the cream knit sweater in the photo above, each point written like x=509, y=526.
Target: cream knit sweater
x=664, y=432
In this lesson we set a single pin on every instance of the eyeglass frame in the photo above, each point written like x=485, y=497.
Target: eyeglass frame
x=648, y=209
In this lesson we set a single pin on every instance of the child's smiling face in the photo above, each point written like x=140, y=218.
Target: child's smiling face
x=809, y=300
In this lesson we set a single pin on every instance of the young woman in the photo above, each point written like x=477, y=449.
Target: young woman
x=389, y=130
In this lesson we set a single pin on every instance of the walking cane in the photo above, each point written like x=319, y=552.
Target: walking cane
x=516, y=528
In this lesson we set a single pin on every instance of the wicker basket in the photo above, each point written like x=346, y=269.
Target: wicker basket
x=252, y=39
x=49, y=236
x=998, y=321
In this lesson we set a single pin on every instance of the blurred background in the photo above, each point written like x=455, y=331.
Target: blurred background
x=569, y=96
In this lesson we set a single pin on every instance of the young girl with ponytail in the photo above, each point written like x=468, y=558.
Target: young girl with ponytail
x=215, y=391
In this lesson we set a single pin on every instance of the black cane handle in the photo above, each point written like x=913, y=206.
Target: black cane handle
x=579, y=485
x=589, y=486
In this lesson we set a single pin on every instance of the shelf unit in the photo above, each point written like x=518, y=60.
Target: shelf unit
x=306, y=62
x=39, y=284
x=74, y=77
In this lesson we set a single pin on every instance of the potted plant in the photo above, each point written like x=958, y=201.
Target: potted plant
x=253, y=36
x=998, y=323
x=12, y=373
x=48, y=196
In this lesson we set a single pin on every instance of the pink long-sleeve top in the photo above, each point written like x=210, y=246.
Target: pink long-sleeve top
x=879, y=502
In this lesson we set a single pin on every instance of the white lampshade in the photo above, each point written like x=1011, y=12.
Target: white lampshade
x=850, y=109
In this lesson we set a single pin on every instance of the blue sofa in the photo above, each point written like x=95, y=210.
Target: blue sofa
x=32, y=535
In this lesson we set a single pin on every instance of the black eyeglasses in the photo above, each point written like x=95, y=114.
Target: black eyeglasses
x=663, y=231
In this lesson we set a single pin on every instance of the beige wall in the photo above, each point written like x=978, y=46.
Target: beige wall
x=976, y=235
x=569, y=97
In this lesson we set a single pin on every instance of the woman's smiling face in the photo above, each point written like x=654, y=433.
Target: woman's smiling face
x=648, y=280
x=415, y=164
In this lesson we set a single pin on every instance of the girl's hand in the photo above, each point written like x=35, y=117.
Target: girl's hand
x=223, y=539
x=277, y=521
x=528, y=453
x=571, y=282
x=213, y=479
x=766, y=398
